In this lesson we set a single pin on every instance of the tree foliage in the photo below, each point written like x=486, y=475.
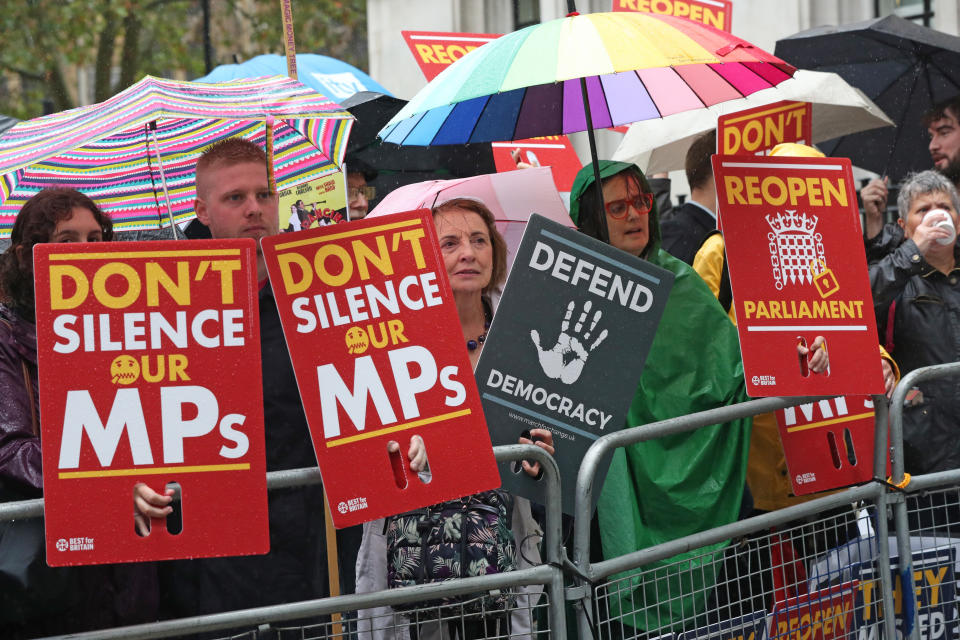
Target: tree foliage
x=53, y=48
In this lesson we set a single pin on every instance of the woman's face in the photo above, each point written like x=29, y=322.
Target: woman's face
x=81, y=226
x=466, y=247
x=631, y=232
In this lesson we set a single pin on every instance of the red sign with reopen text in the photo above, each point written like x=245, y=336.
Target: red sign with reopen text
x=758, y=130
x=379, y=356
x=713, y=13
x=149, y=366
x=435, y=51
x=798, y=271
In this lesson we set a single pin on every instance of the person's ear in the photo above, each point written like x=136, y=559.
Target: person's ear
x=900, y=222
x=200, y=208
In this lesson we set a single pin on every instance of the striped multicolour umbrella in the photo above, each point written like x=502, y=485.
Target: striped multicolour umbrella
x=637, y=66
x=108, y=151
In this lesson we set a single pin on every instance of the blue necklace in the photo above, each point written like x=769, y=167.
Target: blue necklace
x=473, y=345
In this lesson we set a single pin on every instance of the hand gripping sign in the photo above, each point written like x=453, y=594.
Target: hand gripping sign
x=798, y=271
x=574, y=311
x=133, y=341
x=379, y=356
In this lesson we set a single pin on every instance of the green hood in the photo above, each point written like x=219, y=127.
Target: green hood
x=677, y=485
x=610, y=168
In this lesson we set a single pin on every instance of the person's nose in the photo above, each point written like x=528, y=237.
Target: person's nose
x=362, y=202
x=934, y=145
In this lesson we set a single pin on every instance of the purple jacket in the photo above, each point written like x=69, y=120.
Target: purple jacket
x=19, y=439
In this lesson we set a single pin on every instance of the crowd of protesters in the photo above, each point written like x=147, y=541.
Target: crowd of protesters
x=655, y=491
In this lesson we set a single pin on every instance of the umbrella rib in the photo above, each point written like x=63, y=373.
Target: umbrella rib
x=650, y=95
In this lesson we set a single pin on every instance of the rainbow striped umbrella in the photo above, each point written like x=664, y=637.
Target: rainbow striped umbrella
x=637, y=66
x=112, y=152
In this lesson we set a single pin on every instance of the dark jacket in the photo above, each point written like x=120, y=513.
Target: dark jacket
x=19, y=443
x=684, y=232
x=295, y=568
x=926, y=331
x=63, y=599
x=889, y=238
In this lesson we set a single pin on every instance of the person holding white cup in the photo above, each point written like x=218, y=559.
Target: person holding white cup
x=916, y=294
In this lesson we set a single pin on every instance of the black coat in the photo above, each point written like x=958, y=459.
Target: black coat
x=925, y=331
x=296, y=567
x=684, y=232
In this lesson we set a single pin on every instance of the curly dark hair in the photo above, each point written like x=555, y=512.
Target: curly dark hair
x=35, y=224
x=499, y=273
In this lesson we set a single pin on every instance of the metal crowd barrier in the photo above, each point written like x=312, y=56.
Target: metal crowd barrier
x=545, y=612
x=820, y=570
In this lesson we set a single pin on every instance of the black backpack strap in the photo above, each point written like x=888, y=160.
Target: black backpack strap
x=725, y=294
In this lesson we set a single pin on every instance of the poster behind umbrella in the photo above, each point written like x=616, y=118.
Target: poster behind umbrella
x=435, y=51
x=133, y=341
x=798, y=271
x=315, y=203
x=567, y=346
x=379, y=355
x=713, y=13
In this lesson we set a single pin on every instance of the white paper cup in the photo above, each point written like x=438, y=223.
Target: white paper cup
x=946, y=224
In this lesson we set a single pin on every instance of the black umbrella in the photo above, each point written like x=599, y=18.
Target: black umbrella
x=6, y=122
x=903, y=67
x=397, y=166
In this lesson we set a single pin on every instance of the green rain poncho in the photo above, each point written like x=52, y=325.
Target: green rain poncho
x=676, y=485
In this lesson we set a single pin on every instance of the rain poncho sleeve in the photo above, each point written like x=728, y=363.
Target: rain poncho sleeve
x=676, y=485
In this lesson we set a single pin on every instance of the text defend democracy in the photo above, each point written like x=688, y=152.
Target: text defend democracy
x=561, y=405
x=598, y=281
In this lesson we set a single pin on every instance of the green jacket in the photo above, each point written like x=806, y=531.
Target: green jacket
x=677, y=485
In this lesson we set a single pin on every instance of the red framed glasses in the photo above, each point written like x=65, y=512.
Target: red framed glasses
x=642, y=203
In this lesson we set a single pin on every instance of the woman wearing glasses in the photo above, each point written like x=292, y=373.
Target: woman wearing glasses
x=679, y=484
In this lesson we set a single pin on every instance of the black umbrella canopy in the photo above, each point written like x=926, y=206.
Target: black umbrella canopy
x=6, y=122
x=903, y=67
x=396, y=165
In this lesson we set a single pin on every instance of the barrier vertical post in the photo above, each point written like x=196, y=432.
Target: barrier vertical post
x=881, y=416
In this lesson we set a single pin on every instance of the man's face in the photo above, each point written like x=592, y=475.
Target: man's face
x=945, y=145
x=356, y=200
x=236, y=201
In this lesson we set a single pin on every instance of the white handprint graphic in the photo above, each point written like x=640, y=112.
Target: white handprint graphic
x=566, y=359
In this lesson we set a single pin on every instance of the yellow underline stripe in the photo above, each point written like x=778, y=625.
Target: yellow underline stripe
x=824, y=423
x=152, y=471
x=348, y=234
x=145, y=254
x=399, y=427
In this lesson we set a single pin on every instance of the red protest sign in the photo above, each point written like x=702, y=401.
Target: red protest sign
x=377, y=349
x=437, y=50
x=555, y=152
x=826, y=614
x=798, y=271
x=758, y=130
x=133, y=340
x=713, y=13
x=829, y=443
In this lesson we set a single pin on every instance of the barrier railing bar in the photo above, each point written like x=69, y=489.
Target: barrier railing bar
x=605, y=568
x=897, y=473
x=880, y=456
x=310, y=608
x=585, y=477
x=933, y=480
x=548, y=574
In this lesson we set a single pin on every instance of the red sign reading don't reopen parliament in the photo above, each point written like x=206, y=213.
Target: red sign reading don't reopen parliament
x=149, y=367
x=379, y=356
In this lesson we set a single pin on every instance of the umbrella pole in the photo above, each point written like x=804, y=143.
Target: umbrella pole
x=163, y=178
x=602, y=221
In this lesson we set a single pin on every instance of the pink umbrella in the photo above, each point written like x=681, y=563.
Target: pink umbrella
x=511, y=196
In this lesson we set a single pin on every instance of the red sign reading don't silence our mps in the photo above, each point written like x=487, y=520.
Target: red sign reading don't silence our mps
x=149, y=367
x=379, y=356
